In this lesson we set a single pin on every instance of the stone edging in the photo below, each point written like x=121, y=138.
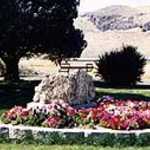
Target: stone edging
x=101, y=136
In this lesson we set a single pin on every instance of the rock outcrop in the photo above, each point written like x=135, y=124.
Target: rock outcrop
x=146, y=27
x=118, y=17
x=75, y=88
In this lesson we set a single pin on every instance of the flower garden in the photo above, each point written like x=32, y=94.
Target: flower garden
x=70, y=110
x=108, y=112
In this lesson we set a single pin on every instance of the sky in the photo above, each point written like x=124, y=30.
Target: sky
x=91, y=5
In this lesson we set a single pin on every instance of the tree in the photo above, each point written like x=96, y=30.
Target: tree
x=38, y=26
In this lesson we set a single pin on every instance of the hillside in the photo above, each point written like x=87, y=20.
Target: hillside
x=119, y=17
x=116, y=10
x=121, y=25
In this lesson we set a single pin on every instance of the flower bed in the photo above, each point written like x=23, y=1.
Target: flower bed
x=109, y=113
x=119, y=114
x=58, y=114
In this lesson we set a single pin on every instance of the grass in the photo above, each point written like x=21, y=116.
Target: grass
x=64, y=147
x=138, y=94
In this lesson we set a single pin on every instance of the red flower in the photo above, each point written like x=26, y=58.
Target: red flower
x=24, y=113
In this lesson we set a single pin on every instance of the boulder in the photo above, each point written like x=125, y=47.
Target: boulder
x=75, y=88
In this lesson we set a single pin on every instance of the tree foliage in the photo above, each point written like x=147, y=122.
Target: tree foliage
x=38, y=26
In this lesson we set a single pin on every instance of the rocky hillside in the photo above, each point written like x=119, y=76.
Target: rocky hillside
x=120, y=18
x=122, y=25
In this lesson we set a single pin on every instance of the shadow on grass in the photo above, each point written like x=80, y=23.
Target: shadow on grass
x=17, y=93
x=20, y=93
x=102, y=84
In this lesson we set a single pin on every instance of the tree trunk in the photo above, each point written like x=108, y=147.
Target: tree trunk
x=12, y=70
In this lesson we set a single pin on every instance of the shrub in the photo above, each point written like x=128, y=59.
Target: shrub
x=123, y=67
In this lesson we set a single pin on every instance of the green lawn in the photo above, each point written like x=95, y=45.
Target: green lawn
x=134, y=93
x=64, y=147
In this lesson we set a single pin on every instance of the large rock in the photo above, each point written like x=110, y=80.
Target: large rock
x=75, y=88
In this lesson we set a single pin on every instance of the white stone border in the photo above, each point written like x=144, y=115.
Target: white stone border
x=101, y=136
x=74, y=130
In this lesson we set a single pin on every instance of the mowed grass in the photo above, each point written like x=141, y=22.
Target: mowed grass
x=64, y=147
x=119, y=93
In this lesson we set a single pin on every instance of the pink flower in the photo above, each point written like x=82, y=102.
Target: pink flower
x=71, y=111
x=52, y=122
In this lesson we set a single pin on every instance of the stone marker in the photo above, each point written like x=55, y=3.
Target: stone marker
x=75, y=88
